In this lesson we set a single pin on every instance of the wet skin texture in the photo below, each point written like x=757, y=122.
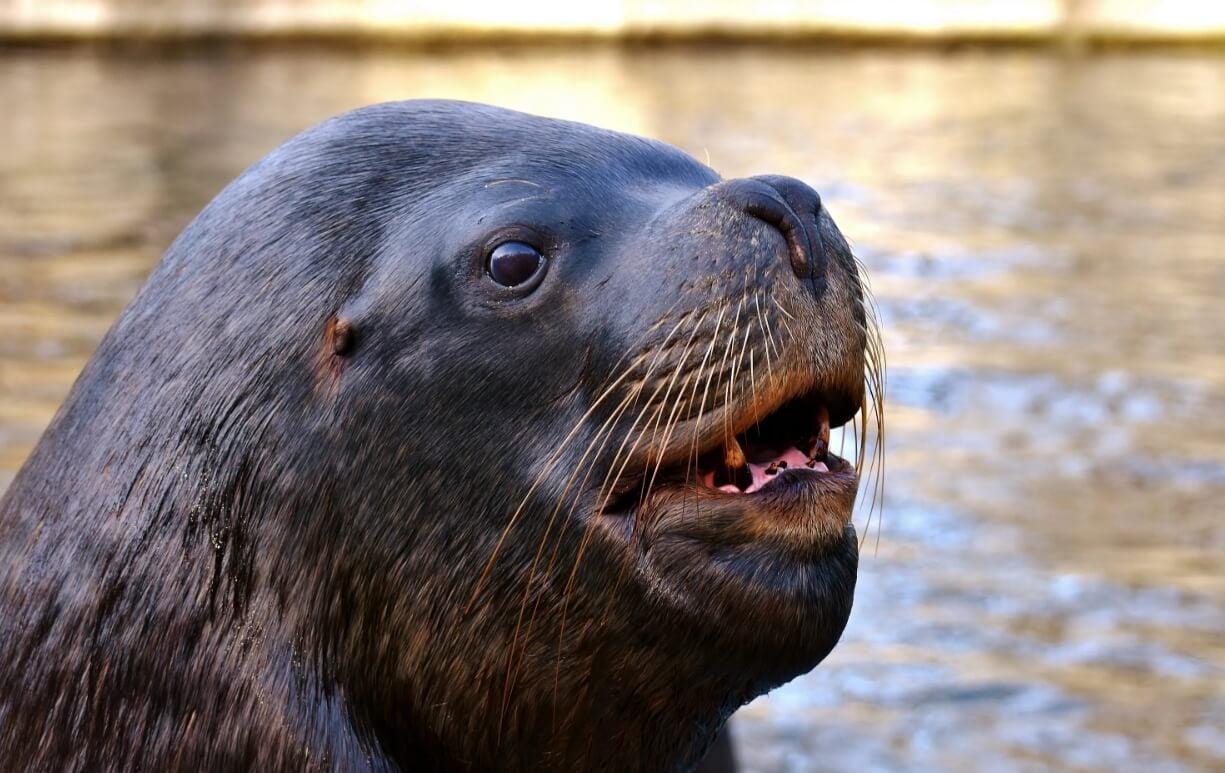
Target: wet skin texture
x=328, y=495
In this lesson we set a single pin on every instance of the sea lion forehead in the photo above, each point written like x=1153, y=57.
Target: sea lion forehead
x=452, y=134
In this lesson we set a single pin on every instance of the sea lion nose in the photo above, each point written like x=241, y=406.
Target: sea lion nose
x=793, y=208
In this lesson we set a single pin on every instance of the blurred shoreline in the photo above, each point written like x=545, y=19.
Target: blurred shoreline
x=921, y=23
x=433, y=39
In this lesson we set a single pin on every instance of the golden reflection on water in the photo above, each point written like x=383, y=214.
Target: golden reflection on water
x=1046, y=237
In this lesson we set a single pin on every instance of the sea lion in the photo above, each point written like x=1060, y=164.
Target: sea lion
x=445, y=438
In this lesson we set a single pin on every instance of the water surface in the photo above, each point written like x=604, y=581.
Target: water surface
x=1046, y=238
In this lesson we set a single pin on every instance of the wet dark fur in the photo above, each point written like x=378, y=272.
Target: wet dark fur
x=250, y=541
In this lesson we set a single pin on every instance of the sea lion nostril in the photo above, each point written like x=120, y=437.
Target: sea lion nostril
x=806, y=203
x=799, y=196
x=790, y=206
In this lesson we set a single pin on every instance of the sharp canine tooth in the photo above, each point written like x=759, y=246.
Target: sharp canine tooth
x=733, y=455
x=822, y=433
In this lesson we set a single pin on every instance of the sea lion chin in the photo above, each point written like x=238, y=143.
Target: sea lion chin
x=446, y=437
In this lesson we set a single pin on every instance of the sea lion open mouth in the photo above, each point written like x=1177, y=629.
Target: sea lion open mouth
x=784, y=455
x=795, y=436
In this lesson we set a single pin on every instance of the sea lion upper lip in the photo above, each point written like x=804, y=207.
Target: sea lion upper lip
x=680, y=463
x=691, y=440
x=803, y=505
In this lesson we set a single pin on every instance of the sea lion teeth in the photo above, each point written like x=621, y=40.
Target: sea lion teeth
x=772, y=469
x=823, y=426
x=733, y=454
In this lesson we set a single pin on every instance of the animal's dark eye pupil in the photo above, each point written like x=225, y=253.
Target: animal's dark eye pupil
x=513, y=263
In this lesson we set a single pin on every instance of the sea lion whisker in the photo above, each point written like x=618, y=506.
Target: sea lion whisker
x=878, y=473
x=573, y=506
x=875, y=394
x=753, y=384
x=605, y=427
x=861, y=436
x=637, y=391
x=625, y=562
x=782, y=310
x=590, y=527
x=705, y=390
x=548, y=467
x=629, y=399
x=769, y=332
x=605, y=484
x=697, y=422
x=765, y=329
x=783, y=320
x=606, y=434
x=867, y=296
x=672, y=416
x=860, y=463
x=701, y=408
x=555, y=458
x=670, y=426
x=736, y=369
x=727, y=350
x=703, y=367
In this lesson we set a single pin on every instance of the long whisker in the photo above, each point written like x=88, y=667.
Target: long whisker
x=550, y=463
x=875, y=384
x=765, y=329
x=562, y=498
x=602, y=437
x=604, y=498
x=783, y=319
x=611, y=480
x=738, y=365
x=702, y=367
x=633, y=396
x=554, y=458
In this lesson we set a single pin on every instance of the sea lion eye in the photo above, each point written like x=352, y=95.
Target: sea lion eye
x=514, y=263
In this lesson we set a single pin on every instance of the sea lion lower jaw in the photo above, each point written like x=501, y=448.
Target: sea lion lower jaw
x=769, y=573
x=761, y=560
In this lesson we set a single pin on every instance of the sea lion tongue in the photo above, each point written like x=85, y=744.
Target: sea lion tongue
x=764, y=471
x=750, y=464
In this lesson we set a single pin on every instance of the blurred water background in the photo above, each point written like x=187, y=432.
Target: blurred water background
x=1046, y=239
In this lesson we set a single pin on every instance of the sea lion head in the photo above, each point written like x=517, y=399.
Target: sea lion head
x=507, y=435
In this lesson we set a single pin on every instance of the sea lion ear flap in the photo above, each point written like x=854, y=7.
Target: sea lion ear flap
x=338, y=343
x=345, y=328
x=343, y=335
